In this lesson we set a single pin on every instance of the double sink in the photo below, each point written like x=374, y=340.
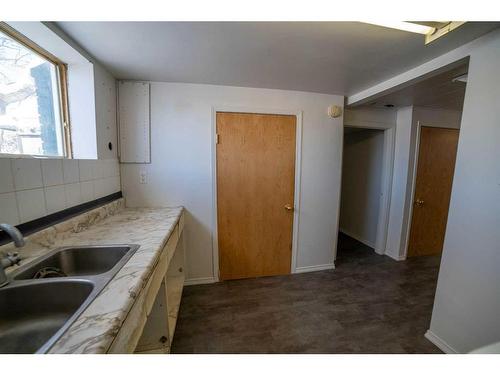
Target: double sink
x=44, y=297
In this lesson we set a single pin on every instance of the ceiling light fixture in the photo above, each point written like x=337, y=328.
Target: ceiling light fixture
x=431, y=30
x=406, y=26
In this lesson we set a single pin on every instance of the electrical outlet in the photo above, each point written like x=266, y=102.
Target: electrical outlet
x=143, y=177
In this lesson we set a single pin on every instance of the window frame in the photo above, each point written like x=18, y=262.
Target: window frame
x=62, y=79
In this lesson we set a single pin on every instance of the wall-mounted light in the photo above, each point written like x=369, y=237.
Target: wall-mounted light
x=334, y=111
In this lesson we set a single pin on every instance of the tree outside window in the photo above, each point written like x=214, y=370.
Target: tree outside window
x=30, y=102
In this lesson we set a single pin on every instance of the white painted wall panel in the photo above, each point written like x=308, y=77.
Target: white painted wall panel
x=467, y=303
x=82, y=114
x=105, y=110
x=399, y=181
x=134, y=125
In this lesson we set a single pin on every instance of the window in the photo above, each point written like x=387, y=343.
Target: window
x=33, y=99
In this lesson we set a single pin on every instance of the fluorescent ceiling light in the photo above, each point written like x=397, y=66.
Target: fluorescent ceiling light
x=406, y=26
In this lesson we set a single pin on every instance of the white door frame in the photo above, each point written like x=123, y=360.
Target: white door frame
x=411, y=198
x=298, y=175
x=387, y=172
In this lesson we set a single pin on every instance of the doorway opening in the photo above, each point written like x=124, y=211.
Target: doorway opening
x=426, y=118
x=361, y=192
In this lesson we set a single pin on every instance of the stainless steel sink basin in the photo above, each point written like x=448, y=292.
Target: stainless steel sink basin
x=31, y=314
x=46, y=296
x=76, y=261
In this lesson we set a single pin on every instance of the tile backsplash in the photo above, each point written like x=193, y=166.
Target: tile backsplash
x=32, y=188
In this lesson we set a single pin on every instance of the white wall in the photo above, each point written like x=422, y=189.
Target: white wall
x=92, y=105
x=370, y=117
x=467, y=304
x=400, y=182
x=181, y=168
x=81, y=103
x=436, y=117
x=105, y=112
x=362, y=165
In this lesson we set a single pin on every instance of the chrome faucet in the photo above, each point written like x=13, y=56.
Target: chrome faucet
x=10, y=258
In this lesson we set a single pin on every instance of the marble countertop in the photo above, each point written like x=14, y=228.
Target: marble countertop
x=97, y=326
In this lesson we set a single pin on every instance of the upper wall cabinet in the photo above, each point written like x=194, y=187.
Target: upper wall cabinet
x=134, y=122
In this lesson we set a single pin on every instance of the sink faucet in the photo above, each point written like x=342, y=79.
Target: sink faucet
x=10, y=259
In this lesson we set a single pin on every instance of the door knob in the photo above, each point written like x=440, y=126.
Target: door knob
x=419, y=202
x=288, y=207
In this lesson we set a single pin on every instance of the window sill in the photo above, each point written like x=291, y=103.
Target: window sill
x=24, y=156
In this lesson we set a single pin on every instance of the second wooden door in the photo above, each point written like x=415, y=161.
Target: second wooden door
x=435, y=168
x=255, y=193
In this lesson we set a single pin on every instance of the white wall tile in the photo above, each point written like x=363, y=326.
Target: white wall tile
x=87, y=188
x=108, y=185
x=99, y=169
x=8, y=209
x=52, y=172
x=31, y=204
x=73, y=194
x=32, y=188
x=55, y=198
x=116, y=185
x=6, y=178
x=107, y=168
x=111, y=168
x=115, y=168
x=71, y=171
x=100, y=188
x=86, y=169
x=27, y=173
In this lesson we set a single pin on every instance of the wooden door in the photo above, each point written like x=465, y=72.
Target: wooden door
x=255, y=194
x=435, y=168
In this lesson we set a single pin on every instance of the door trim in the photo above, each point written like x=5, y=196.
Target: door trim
x=412, y=192
x=298, y=175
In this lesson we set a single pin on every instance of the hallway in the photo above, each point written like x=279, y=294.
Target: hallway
x=368, y=304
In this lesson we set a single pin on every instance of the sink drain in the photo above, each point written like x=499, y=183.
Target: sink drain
x=48, y=272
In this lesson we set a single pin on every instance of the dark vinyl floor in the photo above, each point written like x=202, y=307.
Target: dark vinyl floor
x=368, y=304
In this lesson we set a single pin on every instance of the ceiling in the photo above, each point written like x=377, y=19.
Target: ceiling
x=327, y=57
x=438, y=91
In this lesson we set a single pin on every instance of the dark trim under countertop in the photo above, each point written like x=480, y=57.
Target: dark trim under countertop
x=46, y=221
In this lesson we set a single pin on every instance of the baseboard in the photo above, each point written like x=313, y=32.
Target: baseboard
x=440, y=343
x=396, y=257
x=200, y=280
x=358, y=238
x=321, y=267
